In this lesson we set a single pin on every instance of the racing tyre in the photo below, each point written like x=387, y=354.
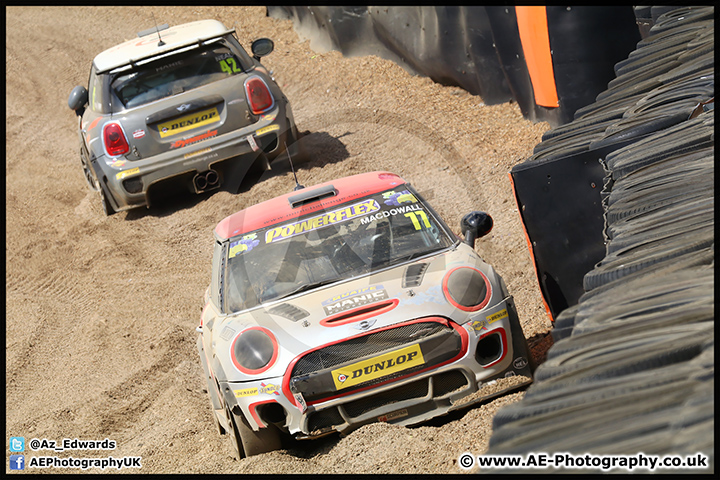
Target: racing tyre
x=247, y=442
x=107, y=208
x=87, y=173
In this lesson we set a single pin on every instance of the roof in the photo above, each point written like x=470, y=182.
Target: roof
x=279, y=209
x=147, y=46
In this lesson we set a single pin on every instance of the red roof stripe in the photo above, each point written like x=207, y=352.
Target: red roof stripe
x=278, y=209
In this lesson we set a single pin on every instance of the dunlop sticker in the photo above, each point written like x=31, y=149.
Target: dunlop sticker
x=478, y=325
x=329, y=218
x=376, y=367
x=497, y=316
x=267, y=129
x=246, y=392
x=188, y=122
x=268, y=389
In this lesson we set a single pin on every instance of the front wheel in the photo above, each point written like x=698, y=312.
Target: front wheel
x=247, y=442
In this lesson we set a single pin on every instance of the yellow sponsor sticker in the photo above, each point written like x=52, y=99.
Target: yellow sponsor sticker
x=127, y=173
x=336, y=216
x=497, y=316
x=188, y=122
x=246, y=392
x=267, y=129
x=199, y=152
x=376, y=367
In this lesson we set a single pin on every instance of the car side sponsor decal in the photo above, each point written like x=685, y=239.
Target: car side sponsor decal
x=478, y=325
x=355, y=301
x=329, y=218
x=269, y=128
x=188, y=122
x=406, y=210
x=268, y=389
x=127, y=173
x=376, y=367
x=197, y=138
x=196, y=153
x=396, y=198
x=245, y=244
x=393, y=415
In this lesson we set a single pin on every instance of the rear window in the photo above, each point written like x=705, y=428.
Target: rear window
x=175, y=74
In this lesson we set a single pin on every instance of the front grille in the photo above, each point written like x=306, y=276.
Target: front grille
x=371, y=344
x=316, y=374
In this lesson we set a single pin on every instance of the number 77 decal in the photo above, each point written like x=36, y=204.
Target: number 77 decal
x=413, y=216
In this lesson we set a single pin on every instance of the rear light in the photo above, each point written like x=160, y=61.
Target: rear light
x=114, y=139
x=258, y=94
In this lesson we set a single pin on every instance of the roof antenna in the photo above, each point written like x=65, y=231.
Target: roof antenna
x=297, y=184
x=160, y=43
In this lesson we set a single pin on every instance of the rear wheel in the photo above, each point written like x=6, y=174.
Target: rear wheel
x=94, y=183
x=87, y=173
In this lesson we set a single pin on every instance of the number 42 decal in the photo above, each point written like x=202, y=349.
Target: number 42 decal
x=416, y=223
x=229, y=66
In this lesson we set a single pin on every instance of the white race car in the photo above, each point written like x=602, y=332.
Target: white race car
x=348, y=303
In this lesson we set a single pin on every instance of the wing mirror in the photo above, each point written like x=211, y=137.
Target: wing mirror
x=475, y=225
x=262, y=47
x=77, y=100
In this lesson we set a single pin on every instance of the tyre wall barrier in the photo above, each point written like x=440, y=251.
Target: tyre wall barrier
x=547, y=59
x=632, y=367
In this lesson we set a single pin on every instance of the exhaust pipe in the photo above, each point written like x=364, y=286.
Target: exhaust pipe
x=212, y=178
x=206, y=180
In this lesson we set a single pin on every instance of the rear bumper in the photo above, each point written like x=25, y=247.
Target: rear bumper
x=231, y=155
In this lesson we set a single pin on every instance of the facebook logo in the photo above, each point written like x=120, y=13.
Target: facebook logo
x=17, y=462
x=17, y=444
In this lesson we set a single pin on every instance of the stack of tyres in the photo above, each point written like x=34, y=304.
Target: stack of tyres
x=632, y=367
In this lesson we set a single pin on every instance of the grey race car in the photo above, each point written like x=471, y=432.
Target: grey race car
x=348, y=303
x=179, y=108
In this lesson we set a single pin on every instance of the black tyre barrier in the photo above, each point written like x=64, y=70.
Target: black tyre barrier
x=668, y=168
x=552, y=397
x=564, y=323
x=603, y=118
x=632, y=366
x=634, y=237
x=616, y=266
x=688, y=136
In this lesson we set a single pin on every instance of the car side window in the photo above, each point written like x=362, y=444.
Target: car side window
x=95, y=92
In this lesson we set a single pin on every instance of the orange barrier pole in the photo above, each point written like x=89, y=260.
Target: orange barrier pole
x=533, y=29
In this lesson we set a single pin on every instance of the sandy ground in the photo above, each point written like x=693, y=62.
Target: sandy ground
x=101, y=312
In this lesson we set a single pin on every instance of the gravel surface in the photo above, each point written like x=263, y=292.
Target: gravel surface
x=101, y=312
